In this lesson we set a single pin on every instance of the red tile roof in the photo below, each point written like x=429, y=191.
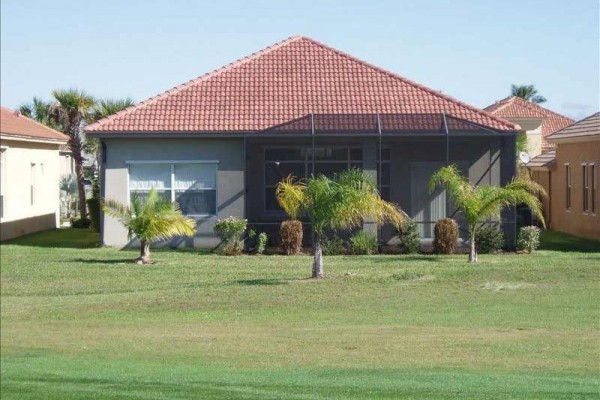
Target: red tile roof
x=14, y=124
x=289, y=80
x=516, y=107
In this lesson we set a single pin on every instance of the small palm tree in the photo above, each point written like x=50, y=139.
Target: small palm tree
x=339, y=203
x=68, y=192
x=527, y=92
x=155, y=218
x=478, y=203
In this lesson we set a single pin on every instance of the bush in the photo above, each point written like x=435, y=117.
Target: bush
x=528, y=238
x=261, y=242
x=489, y=239
x=408, y=235
x=81, y=223
x=333, y=246
x=290, y=235
x=363, y=243
x=445, y=236
x=230, y=230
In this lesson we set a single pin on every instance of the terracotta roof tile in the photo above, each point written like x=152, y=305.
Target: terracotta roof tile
x=289, y=80
x=15, y=124
x=516, y=107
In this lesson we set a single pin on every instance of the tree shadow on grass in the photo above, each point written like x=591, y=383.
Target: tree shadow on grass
x=102, y=261
x=262, y=282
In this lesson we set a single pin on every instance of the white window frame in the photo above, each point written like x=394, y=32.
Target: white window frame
x=593, y=188
x=171, y=186
x=585, y=190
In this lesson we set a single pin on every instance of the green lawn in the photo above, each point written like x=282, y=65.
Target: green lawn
x=84, y=322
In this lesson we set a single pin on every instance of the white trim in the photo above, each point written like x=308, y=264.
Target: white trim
x=19, y=138
x=172, y=162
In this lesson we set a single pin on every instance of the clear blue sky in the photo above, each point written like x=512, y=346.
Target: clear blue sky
x=472, y=50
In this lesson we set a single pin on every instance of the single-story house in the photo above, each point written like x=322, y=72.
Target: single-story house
x=536, y=121
x=219, y=144
x=29, y=174
x=569, y=174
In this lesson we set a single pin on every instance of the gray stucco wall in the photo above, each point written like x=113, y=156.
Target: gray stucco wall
x=230, y=179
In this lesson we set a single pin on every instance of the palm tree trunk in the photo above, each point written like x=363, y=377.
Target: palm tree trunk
x=76, y=146
x=317, y=271
x=144, y=257
x=473, y=254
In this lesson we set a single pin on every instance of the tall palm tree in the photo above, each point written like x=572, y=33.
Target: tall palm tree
x=478, y=203
x=151, y=219
x=527, y=92
x=69, y=112
x=102, y=109
x=339, y=203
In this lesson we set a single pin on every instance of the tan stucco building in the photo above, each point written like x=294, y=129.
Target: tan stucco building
x=570, y=176
x=29, y=175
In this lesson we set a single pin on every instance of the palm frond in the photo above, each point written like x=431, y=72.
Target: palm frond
x=290, y=196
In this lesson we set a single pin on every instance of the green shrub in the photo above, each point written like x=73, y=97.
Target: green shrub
x=445, y=236
x=489, y=239
x=261, y=242
x=231, y=230
x=408, y=236
x=528, y=239
x=81, y=223
x=333, y=246
x=290, y=236
x=363, y=243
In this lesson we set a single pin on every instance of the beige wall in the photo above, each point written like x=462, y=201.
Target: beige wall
x=543, y=178
x=575, y=221
x=17, y=160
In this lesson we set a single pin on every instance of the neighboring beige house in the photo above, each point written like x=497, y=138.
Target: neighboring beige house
x=538, y=122
x=569, y=174
x=29, y=175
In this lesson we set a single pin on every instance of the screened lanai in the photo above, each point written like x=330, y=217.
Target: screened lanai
x=401, y=152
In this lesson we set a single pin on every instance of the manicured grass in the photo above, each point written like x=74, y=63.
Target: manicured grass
x=83, y=322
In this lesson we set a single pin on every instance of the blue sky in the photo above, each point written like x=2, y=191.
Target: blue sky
x=472, y=50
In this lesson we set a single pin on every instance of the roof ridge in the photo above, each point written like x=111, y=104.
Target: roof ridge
x=21, y=115
x=185, y=85
x=413, y=83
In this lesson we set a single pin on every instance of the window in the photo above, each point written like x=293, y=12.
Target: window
x=586, y=188
x=298, y=161
x=593, y=185
x=568, y=185
x=192, y=185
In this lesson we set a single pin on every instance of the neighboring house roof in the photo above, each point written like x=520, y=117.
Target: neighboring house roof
x=543, y=161
x=286, y=81
x=586, y=128
x=516, y=107
x=15, y=124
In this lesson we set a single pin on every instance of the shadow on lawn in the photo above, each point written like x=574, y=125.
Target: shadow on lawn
x=102, y=261
x=557, y=241
x=66, y=238
x=262, y=282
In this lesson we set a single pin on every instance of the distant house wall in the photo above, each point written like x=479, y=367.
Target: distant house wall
x=574, y=220
x=229, y=153
x=30, y=193
x=544, y=179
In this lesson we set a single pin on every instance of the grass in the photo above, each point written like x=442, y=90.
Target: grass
x=84, y=322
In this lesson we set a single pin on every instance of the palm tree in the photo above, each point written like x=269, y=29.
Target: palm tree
x=339, y=203
x=38, y=110
x=527, y=92
x=68, y=192
x=69, y=112
x=102, y=109
x=154, y=218
x=483, y=202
